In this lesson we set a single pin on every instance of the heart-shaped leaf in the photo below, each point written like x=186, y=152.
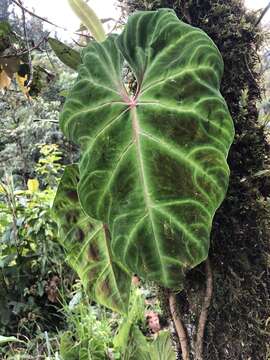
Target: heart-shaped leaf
x=88, y=247
x=153, y=163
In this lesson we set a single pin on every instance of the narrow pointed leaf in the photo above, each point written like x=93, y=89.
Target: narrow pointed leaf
x=7, y=339
x=87, y=247
x=88, y=17
x=161, y=348
x=66, y=54
x=153, y=164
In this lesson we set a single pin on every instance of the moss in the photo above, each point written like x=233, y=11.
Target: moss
x=240, y=244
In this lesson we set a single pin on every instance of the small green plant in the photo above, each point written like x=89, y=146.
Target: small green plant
x=89, y=334
x=29, y=254
x=48, y=168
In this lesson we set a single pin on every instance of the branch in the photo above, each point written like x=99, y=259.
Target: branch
x=262, y=14
x=21, y=53
x=29, y=82
x=179, y=326
x=78, y=44
x=46, y=120
x=49, y=58
x=11, y=203
x=45, y=20
x=117, y=22
x=204, y=312
x=186, y=14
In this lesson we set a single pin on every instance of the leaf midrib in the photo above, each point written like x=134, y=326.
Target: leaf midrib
x=147, y=198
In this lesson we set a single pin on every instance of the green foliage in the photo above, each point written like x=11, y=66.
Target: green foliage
x=134, y=317
x=87, y=246
x=24, y=125
x=7, y=339
x=23, y=128
x=5, y=28
x=130, y=341
x=89, y=335
x=5, y=32
x=140, y=349
x=161, y=348
x=153, y=166
x=48, y=167
x=29, y=254
x=67, y=55
x=40, y=346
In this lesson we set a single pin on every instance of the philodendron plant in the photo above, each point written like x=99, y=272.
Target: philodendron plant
x=153, y=167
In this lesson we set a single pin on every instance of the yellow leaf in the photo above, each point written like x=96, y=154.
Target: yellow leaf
x=33, y=185
x=21, y=81
x=5, y=81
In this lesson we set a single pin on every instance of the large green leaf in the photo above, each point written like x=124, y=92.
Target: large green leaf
x=153, y=164
x=88, y=247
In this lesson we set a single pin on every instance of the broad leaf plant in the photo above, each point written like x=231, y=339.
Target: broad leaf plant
x=153, y=167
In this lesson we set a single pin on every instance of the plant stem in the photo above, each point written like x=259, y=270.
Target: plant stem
x=21, y=53
x=180, y=327
x=204, y=312
x=47, y=21
x=262, y=14
x=11, y=203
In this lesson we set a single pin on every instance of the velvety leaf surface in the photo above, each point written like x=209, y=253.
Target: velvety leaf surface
x=153, y=163
x=88, y=248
